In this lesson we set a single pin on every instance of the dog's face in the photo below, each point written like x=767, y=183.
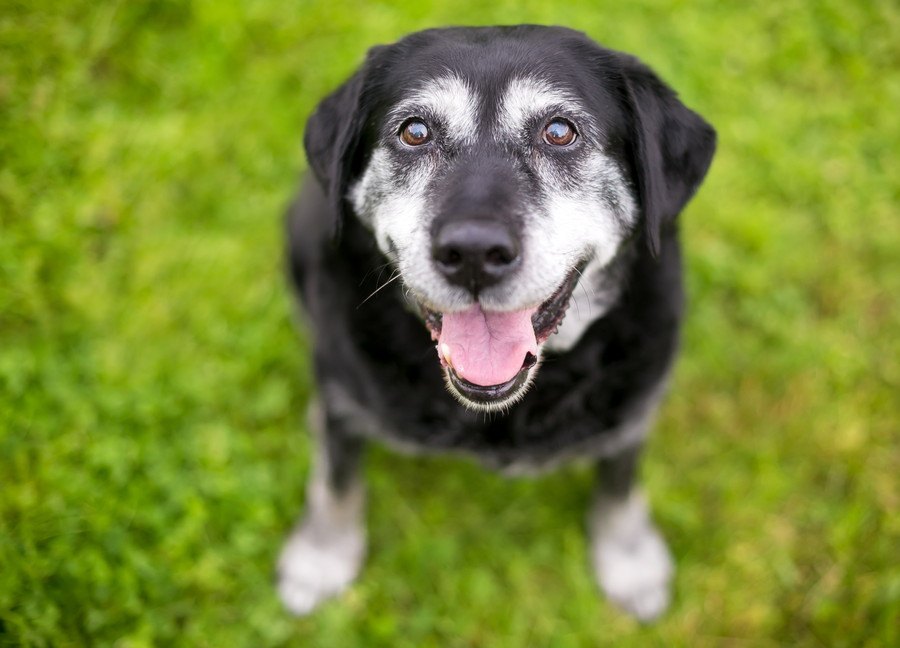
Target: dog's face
x=494, y=166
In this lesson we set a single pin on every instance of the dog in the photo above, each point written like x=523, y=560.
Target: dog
x=488, y=260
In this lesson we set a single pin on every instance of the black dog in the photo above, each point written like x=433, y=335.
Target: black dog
x=471, y=184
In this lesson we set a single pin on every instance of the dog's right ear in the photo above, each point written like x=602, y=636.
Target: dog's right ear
x=334, y=135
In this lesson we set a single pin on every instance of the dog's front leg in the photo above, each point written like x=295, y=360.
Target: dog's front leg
x=324, y=553
x=630, y=557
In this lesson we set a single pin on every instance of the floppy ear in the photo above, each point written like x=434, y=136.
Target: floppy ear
x=334, y=134
x=672, y=147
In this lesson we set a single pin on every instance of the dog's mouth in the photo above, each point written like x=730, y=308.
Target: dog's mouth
x=489, y=356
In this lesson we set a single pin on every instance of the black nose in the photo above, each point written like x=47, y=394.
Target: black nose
x=476, y=253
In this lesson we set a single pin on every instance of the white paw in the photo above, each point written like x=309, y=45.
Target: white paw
x=631, y=560
x=317, y=564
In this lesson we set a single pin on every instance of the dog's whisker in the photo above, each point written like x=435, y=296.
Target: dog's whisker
x=590, y=296
x=583, y=284
x=379, y=269
x=394, y=277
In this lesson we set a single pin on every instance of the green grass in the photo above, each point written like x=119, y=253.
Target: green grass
x=152, y=452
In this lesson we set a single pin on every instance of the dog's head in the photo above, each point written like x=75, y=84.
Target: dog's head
x=492, y=166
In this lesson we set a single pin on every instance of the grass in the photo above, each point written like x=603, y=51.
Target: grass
x=152, y=455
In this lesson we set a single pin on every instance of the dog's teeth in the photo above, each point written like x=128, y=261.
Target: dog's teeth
x=445, y=353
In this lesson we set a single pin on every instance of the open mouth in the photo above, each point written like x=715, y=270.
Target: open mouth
x=488, y=355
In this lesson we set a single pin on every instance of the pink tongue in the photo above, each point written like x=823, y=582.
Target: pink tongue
x=487, y=348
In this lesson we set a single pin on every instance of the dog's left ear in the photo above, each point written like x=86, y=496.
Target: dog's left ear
x=334, y=135
x=672, y=147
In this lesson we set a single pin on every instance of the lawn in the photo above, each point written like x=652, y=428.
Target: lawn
x=152, y=385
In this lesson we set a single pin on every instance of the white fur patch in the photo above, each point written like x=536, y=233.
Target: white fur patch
x=324, y=554
x=527, y=98
x=449, y=99
x=630, y=557
x=401, y=214
x=318, y=563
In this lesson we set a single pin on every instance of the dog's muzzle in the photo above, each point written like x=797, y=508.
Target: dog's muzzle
x=490, y=356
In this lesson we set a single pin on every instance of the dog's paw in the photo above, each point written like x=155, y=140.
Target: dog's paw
x=635, y=574
x=316, y=565
x=631, y=561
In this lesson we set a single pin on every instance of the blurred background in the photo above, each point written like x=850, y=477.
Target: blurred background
x=152, y=450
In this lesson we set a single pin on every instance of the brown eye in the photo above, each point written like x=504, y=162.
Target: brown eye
x=559, y=132
x=414, y=133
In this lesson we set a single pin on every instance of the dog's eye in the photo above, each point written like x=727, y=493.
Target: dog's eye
x=414, y=133
x=559, y=132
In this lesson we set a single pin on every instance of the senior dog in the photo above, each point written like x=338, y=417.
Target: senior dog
x=489, y=263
